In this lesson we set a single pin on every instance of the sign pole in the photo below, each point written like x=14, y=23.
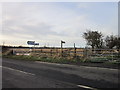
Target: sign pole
x=61, y=49
x=32, y=43
x=34, y=49
x=74, y=51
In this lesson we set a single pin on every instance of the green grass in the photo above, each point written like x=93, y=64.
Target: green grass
x=98, y=59
x=62, y=60
x=44, y=59
x=113, y=62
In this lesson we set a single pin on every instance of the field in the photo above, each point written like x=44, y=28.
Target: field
x=71, y=54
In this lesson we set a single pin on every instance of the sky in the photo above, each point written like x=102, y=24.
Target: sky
x=50, y=22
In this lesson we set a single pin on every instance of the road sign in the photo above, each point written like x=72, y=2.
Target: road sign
x=62, y=41
x=31, y=42
x=36, y=44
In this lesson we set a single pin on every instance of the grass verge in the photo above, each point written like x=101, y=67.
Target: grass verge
x=61, y=59
x=43, y=59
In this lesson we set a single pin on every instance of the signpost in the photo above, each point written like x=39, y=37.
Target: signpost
x=36, y=44
x=32, y=43
x=62, y=47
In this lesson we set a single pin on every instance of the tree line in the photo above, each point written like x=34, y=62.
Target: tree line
x=96, y=39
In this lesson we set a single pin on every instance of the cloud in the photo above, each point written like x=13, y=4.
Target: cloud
x=40, y=19
x=46, y=22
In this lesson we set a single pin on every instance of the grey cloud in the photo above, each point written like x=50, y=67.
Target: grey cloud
x=41, y=29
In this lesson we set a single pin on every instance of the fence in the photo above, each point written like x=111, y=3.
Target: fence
x=104, y=54
x=56, y=52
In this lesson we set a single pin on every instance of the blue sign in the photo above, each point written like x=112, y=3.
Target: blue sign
x=36, y=44
x=31, y=42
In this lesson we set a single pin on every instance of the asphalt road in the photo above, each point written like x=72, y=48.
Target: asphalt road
x=30, y=74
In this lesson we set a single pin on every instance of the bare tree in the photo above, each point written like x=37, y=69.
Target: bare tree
x=112, y=41
x=94, y=38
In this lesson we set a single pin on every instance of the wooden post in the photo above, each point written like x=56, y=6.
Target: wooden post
x=69, y=51
x=51, y=52
x=56, y=52
x=41, y=50
x=74, y=51
x=85, y=53
x=34, y=49
x=61, y=49
x=112, y=55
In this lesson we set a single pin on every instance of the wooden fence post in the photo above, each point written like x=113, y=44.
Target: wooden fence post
x=41, y=50
x=61, y=50
x=51, y=52
x=69, y=52
x=85, y=55
x=74, y=51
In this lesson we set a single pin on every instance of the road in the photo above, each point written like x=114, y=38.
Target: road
x=36, y=74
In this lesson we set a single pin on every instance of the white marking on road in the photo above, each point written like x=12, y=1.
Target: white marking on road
x=19, y=71
x=86, y=87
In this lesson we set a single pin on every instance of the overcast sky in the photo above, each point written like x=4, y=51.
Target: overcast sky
x=48, y=23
